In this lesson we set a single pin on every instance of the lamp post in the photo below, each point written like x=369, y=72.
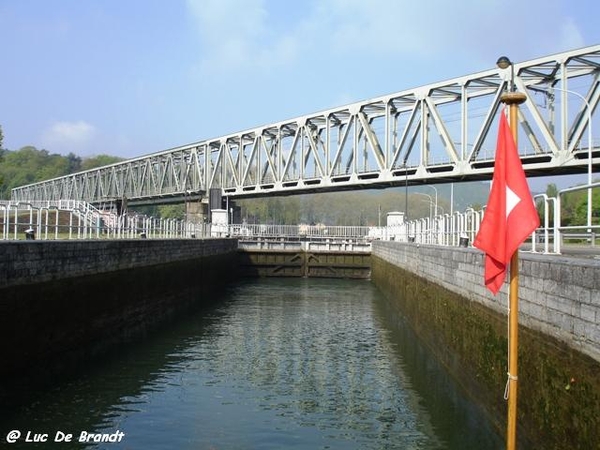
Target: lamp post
x=430, y=202
x=405, y=191
x=432, y=205
x=436, y=198
x=406, y=200
x=513, y=99
x=504, y=63
x=588, y=110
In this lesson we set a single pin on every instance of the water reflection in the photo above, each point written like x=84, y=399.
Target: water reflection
x=279, y=364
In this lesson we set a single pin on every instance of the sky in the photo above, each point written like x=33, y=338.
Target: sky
x=128, y=78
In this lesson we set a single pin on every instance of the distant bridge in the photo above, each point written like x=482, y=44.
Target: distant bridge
x=438, y=133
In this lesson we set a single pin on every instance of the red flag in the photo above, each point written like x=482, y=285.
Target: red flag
x=510, y=216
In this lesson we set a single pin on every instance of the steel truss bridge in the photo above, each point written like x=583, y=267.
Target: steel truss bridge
x=438, y=133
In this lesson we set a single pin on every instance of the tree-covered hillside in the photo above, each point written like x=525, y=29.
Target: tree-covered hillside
x=363, y=207
x=29, y=165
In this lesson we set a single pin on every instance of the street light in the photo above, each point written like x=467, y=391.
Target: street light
x=433, y=224
x=431, y=204
x=405, y=191
x=430, y=201
x=436, y=198
x=504, y=63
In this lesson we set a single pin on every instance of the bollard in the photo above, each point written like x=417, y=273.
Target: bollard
x=29, y=234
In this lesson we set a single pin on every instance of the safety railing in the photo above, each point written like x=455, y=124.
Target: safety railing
x=75, y=220
x=460, y=228
x=582, y=234
x=301, y=231
x=71, y=221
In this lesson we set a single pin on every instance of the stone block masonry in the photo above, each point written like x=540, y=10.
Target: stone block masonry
x=26, y=262
x=440, y=293
x=64, y=302
x=558, y=296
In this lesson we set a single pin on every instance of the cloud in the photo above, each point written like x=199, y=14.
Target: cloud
x=65, y=137
x=430, y=28
x=232, y=32
x=570, y=35
x=256, y=35
x=243, y=35
x=270, y=52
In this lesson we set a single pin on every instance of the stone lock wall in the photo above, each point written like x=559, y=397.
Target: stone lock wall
x=25, y=262
x=441, y=292
x=558, y=296
x=66, y=301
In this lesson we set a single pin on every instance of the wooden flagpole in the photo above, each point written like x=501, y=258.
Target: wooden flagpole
x=513, y=100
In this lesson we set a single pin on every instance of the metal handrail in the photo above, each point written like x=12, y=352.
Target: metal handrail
x=459, y=228
x=84, y=222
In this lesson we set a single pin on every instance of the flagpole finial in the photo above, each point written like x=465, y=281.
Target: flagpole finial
x=513, y=98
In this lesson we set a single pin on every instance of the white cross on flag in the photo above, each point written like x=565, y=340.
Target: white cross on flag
x=510, y=216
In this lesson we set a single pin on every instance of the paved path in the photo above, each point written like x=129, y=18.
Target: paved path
x=574, y=251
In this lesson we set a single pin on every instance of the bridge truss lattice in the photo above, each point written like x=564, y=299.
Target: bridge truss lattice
x=436, y=133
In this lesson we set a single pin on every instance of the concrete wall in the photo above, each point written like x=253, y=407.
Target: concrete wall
x=558, y=296
x=25, y=262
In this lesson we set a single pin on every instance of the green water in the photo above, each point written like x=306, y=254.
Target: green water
x=274, y=364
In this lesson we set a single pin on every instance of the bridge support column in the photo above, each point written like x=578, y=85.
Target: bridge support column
x=197, y=212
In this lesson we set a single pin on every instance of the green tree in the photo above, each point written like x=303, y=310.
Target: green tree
x=581, y=208
x=552, y=190
x=172, y=211
x=568, y=207
x=29, y=165
x=99, y=161
x=73, y=163
x=23, y=166
x=573, y=207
